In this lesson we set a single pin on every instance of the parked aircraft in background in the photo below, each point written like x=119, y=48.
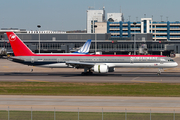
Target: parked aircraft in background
x=85, y=48
x=90, y=63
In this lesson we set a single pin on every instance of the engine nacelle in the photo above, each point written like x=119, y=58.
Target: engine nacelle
x=101, y=68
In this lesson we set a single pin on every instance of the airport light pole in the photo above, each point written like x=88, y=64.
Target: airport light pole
x=161, y=18
x=39, y=36
x=95, y=39
x=134, y=39
x=95, y=36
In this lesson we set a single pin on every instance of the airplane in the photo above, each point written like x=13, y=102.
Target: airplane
x=89, y=62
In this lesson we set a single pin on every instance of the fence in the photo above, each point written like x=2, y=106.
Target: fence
x=78, y=114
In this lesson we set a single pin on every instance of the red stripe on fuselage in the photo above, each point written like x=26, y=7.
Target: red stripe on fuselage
x=99, y=55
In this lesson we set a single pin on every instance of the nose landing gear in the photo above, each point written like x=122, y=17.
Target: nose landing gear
x=159, y=72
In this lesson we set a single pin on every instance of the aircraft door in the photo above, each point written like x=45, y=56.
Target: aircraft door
x=162, y=61
x=131, y=60
x=58, y=60
x=32, y=59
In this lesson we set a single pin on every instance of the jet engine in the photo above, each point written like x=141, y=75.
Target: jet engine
x=101, y=68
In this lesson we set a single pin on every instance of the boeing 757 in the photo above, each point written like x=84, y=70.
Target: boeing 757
x=90, y=63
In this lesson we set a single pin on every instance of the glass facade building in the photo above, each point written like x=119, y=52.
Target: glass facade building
x=162, y=31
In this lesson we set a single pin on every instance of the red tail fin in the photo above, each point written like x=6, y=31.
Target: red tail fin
x=19, y=48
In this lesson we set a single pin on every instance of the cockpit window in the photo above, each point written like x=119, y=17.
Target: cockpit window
x=171, y=60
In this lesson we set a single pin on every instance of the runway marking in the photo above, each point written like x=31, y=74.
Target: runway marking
x=135, y=78
x=143, y=81
x=35, y=80
x=6, y=66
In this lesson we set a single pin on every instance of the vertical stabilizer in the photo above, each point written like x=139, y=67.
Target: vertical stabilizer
x=18, y=46
x=85, y=48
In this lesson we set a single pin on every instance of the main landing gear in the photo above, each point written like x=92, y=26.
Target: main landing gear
x=87, y=72
x=159, y=72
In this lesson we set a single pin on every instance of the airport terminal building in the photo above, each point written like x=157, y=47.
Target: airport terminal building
x=70, y=42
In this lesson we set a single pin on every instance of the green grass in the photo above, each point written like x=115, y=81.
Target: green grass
x=90, y=89
x=47, y=115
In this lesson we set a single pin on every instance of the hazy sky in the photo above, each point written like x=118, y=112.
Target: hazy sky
x=71, y=14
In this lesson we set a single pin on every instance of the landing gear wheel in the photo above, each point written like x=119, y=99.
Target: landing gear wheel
x=90, y=73
x=159, y=71
x=86, y=73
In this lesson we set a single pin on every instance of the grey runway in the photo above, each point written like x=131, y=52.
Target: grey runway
x=90, y=103
x=122, y=77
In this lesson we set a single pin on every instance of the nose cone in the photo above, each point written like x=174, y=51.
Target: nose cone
x=174, y=64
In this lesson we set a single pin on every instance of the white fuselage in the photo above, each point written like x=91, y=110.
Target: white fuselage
x=60, y=61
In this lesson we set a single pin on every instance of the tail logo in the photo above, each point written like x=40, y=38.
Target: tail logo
x=12, y=37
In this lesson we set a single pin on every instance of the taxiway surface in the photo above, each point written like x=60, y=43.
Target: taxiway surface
x=90, y=103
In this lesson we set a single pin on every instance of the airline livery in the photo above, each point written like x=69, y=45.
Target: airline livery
x=85, y=48
x=90, y=63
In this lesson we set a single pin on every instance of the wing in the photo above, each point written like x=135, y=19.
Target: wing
x=80, y=64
